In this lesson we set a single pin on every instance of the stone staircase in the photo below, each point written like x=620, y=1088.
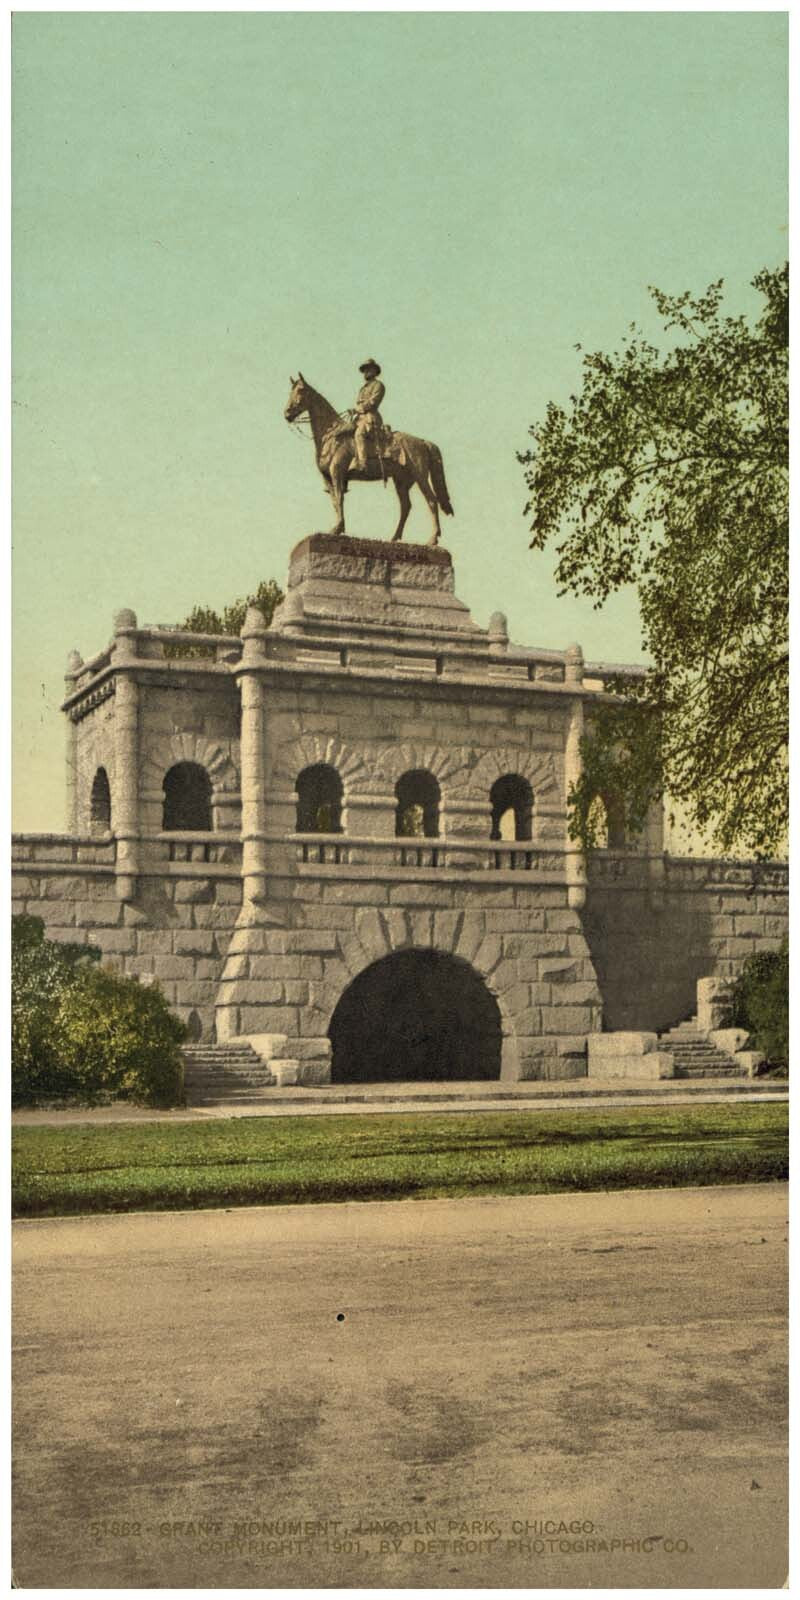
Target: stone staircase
x=695, y=1056
x=232, y=1074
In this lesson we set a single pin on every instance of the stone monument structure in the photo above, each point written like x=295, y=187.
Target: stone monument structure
x=343, y=838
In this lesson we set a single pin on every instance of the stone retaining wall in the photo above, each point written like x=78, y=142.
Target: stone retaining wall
x=629, y=960
x=650, y=940
x=177, y=931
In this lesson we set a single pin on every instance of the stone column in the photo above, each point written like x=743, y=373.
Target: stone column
x=125, y=794
x=576, y=866
x=74, y=664
x=253, y=758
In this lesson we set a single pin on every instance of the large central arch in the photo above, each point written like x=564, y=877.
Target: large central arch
x=416, y=1016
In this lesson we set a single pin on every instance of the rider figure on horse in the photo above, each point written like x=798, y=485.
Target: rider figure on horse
x=365, y=419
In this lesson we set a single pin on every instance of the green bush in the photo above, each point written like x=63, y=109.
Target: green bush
x=119, y=1037
x=761, y=1002
x=41, y=971
x=80, y=1031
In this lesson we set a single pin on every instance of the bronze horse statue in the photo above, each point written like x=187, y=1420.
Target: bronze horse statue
x=406, y=460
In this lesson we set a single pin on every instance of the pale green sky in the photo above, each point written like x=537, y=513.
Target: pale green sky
x=204, y=202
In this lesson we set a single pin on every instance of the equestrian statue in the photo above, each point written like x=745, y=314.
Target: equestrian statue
x=357, y=447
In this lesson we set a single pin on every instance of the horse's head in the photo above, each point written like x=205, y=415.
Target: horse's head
x=299, y=395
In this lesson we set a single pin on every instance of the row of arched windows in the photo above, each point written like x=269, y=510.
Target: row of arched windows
x=418, y=804
x=320, y=796
x=187, y=800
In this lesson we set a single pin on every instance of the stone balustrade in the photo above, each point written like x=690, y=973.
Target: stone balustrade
x=452, y=856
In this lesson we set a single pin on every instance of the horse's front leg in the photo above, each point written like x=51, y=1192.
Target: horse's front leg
x=338, y=491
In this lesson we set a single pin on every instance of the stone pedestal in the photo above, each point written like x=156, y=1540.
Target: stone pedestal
x=367, y=582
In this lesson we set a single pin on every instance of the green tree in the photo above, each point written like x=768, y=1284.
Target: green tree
x=669, y=471
x=204, y=619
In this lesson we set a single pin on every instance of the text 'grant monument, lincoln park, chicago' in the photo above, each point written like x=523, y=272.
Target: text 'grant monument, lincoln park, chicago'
x=340, y=842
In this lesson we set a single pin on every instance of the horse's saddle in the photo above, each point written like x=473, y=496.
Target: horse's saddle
x=382, y=443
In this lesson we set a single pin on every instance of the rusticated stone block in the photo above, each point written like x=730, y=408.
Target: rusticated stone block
x=656, y=1064
x=421, y=925
x=621, y=1044
x=488, y=954
x=273, y=967
x=112, y=941
x=25, y=888
x=213, y=916
x=177, y=967
x=197, y=993
x=314, y=941
x=535, y=945
x=311, y=967
x=194, y=942
x=446, y=928
x=572, y=1044
x=227, y=894
x=101, y=914
x=471, y=935
x=567, y=1019
x=517, y=998
x=435, y=895
x=576, y=993
x=562, y=921
x=208, y=967
x=310, y=1049
x=72, y=935
x=280, y=1019
x=358, y=893
x=270, y=992
x=194, y=891
x=563, y=971
x=515, y=921
x=149, y=940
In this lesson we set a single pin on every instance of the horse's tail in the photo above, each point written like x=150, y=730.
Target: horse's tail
x=438, y=480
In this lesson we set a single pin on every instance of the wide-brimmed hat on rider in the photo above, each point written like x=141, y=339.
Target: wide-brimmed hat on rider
x=369, y=366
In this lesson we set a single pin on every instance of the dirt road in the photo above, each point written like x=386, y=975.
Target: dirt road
x=555, y=1391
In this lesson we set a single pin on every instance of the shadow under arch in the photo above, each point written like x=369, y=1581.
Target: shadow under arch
x=416, y=1016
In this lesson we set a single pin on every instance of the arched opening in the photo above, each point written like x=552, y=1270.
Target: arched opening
x=319, y=800
x=511, y=800
x=607, y=817
x=416, y=1016
x=187, y=799
x=418, y=799
x=100, y=803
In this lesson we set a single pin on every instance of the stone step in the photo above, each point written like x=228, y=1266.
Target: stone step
x=231, y=1074
x=221, y=1054
x=252, y=1080
x=732, y=1071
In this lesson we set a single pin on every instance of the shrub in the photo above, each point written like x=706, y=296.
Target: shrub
x=41, y=971
x=761, y=1001
x=118, y=1036
x=80, y=1031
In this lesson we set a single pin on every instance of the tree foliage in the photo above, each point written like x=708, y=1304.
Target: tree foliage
x=669, y=471
x=80, y=1031
x=204, y=619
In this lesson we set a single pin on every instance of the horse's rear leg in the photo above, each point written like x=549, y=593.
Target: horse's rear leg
x=433, y=507
x=404, y=496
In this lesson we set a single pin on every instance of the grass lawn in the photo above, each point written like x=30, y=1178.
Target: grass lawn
x=271, y=1161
